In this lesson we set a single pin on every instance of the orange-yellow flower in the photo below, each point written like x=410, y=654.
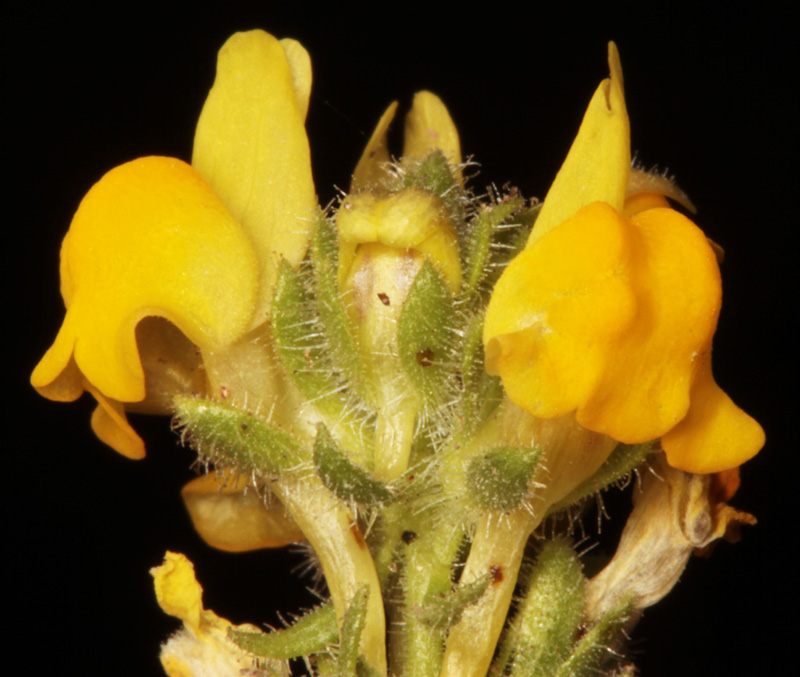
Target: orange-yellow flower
x=612, y=316
x=196, y=245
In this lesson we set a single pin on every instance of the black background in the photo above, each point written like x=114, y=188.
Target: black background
x=712, y=95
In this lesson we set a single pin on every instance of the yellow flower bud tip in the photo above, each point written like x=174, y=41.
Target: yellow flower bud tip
x=598, y=163
x=428, y=126
x=408, y=219
x=613, y=318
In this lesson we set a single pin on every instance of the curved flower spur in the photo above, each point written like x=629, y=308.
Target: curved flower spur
x=365, y=379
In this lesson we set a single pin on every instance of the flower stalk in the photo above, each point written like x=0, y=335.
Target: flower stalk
x=423, y=385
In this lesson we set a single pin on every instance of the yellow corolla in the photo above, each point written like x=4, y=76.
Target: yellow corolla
x=610, y=310
x=202, y=646
x=197, y=245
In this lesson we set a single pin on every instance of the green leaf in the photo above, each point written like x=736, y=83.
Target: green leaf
x=543, y=633
x=314, y=632
x=226, y=434
x=498, y=479
x=425, y=337
x=345, y=479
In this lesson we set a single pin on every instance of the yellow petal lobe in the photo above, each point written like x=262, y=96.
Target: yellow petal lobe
x=715, y=435
x=371, y=168
x=202, y=647
x=598, y=163
x=645, y=390
x=150, y=238
x=177, y=590
x=111, y=426
x=429, y=126
x=251, y=147
x=409, y=219
x=299, y=62
x=230, y=516
x=558, y=310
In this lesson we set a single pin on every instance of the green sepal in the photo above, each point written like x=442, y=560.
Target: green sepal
x=316, y=631
x=498, y=479
x=482, y=232
x=345, y=479
x=442, y=611
x=544, y=630
x=624, y=459
x=594, y=650
x=353, y=621
x=434, y=173
x=481, y=392
x=341, y=343
x=424, y=336
x=301, y=348
x=228, y=435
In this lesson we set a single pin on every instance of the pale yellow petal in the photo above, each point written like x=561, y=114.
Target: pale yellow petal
x=371, y=168
x=300, y=65
x=111, y=426
x=429, y=126
x=598, y=163
x=251, y=147
x=230, y=516
x=177, y=590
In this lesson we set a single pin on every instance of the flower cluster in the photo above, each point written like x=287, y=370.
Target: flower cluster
x=369, y=369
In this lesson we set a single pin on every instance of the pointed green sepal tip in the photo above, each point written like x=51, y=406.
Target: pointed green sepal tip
x=228, y=435
x=353, y=622
x=298, y=344
x=314, y=632
x=344, y=478
x=442, y=611
x=498, y=479
x=482, y=242
x=339, y=338
x=595, y=650
x=435, y=174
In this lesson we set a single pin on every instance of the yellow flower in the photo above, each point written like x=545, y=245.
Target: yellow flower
x=610, y=310
x=202, y=647
x=197, y=245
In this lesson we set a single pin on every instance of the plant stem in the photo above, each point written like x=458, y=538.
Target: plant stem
x=343, y=554
x=497, y=549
